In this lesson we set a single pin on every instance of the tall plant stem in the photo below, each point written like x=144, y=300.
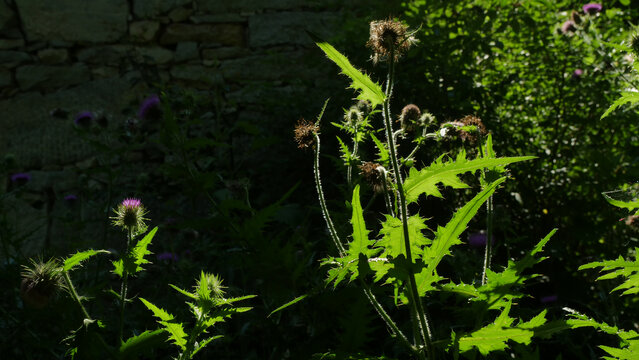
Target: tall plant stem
x=85, y=313
x=342, y=252
x=413, y=293
x=489, y=240
x=123, y=289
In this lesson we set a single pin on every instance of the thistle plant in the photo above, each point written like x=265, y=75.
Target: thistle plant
x=402, y=255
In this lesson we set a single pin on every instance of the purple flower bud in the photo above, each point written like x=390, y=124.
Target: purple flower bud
x=149, y=107
x=83, y=118
x=577, y=74
x=568, y=26
x=592, y=8
x=20, y=178
x=70, y=199
x=548, y=299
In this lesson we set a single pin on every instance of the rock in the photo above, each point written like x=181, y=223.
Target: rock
x=185, y=51
x=74, y=20
x=105, y=72
x=217, y=6
x=50, y=77
x=142, y=31
x=11, y=59
x=231, y=34
x=104, y=55
x=272, y=66
x=7, y=16
x=53, y=56
x=5, y=78
x=11, y=43
x=288, y=28
x=155, y=55
x=180, y=14
x=218, y=18
x=151, y=8
x=224, y=53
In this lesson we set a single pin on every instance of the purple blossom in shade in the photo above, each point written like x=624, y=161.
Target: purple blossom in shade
x=167, y=256
x=568, y=26
x=83, y=118
x=548, y=299
x=577, y=73
x=592, y=8
x=478, y=240
x=71, y=199
x=149, y=105
x=20, y=178
x=131, y=203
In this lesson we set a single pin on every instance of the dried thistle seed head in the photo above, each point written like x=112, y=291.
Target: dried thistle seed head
x=41, y=282
x=353, y=117
x=374, y=174
x=129, y=215
x=305, y=133
x=389, y=37
x=409, y=117
x=471, y=136
x=365, y=107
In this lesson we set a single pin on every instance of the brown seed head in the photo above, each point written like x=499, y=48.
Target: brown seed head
x=374, y=175
x=40, y=282
x=389, y=37
x=470, y=120
x=305, y=133
x=409, y=117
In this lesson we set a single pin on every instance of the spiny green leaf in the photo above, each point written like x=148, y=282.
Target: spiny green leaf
x=77, y=258
x=292, y=302
x=440, y=171
x=382, y=153
x=368, y=90
x=447, y=236
x=393, y=236
x=175, y=329
x=205, y=342
x=140, y=250
x=619, y=268
x=630, y=205
x=626, y=97
x=184, y=292
x=629, y=339
x=360, y=243
x=142, y=343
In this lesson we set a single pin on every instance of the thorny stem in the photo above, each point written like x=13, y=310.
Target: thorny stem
x=489, y=235
x=123, y=289
x=413, y=293
x=76, y=298
x=342, y=252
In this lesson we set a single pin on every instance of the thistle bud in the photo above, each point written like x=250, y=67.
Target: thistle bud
x=353, y=117
x=305, y=133
x=409, y=117
x=211, y=284
x=129, y=215
x=471, y=136
x=40, y=282
x=365, y=107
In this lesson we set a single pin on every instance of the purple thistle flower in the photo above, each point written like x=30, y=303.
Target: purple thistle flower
x=577, y=73
x=83, y=118
x=548, y=299
x=129, y=215
x=592, y=8
x=20, y=178
x=131, y=203
x=568, y=26
x=167, y=256
x=150, y=106
x=70, y=199
x=478, y=239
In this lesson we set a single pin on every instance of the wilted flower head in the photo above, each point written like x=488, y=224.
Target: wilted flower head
x=129, y=215
x=40, y=282
x=150, y=107
x=20, y=178
x=389, y=37
x=592, y=8
x=568, y=26
x=374, y=174
x=84, y=118
x=471, y=136
x=409, y=117
x=305, y=133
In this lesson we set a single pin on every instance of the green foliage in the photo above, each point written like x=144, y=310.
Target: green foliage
x=446, y=172
x=629, y=340
x=169, y=324
x=142, y=344
x=76, y=259
x=627, y=97
x=627, y=269
x=132, y=262
x=368, y=90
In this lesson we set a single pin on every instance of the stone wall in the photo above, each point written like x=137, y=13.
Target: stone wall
x=58, y=58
